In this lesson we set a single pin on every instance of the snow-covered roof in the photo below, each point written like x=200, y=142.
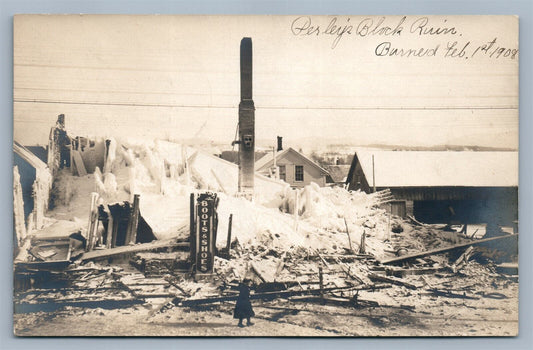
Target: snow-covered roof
x=268, y=161
x=28, y=156
x=216, y=173
x=435, y=168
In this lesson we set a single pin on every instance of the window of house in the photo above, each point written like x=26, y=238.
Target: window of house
x=282, y=173
x=298, y=173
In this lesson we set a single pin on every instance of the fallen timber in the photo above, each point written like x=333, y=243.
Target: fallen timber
x=275, y=295
x=393, y=280
x=107, y=253
x=445, y=249
x=449, y=294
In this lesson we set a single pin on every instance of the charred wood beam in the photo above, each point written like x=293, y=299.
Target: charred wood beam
x=445, y=249
x=107, y=253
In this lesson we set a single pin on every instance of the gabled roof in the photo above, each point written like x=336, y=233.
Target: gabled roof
x=268, y=161
x=28, y=156
x=435, y=168
x=215, y=172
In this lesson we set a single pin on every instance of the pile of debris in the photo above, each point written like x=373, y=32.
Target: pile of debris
x=295, y=275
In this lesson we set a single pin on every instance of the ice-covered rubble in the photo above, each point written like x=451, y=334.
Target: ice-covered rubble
x=165, y=173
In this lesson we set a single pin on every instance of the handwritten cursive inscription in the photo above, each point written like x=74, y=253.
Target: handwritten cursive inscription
x=368, y=27
x=386, y=49
x=304, y=26
x=422, y=29
x=421, y=26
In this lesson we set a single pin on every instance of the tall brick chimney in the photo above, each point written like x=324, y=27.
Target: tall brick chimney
x=246, y=123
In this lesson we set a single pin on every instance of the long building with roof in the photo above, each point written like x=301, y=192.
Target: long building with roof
x=437, y=186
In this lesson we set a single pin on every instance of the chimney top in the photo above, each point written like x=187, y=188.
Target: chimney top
x=280, y=143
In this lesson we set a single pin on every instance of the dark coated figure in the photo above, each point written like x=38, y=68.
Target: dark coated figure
x=243, y=308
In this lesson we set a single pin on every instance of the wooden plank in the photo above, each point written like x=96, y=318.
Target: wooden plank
x=173, y=281
x=445, y=249
x=348, y=256
x=106, y=253
x=462, y=260
x=78, y=163
x=415, y=221
x=448, y=294
x=43, y=265
x=323, y=260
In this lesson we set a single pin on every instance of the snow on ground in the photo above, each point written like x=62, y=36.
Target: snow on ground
x=165, y=173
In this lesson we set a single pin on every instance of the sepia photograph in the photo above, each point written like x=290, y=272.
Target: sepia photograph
x=265, y=176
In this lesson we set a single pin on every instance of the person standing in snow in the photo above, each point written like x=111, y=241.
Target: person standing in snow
x=63, y=142
x=243, y=307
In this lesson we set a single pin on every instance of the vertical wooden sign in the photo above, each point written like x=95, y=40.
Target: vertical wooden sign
x=205, y=232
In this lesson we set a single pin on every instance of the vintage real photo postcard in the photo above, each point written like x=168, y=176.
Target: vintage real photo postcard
x=265, y=175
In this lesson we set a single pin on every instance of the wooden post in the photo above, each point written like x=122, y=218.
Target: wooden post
x=389, y=230
x=321, y=283
x=134, y=219
x=69, y=251
x=114, y=233
x=462, y=260
x=373, y=176
x=349, y=238
x=192, y=226
x=228, y=242
x=362, y=246
x=127, y=238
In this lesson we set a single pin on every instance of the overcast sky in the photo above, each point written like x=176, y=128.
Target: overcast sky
x=178, y=77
